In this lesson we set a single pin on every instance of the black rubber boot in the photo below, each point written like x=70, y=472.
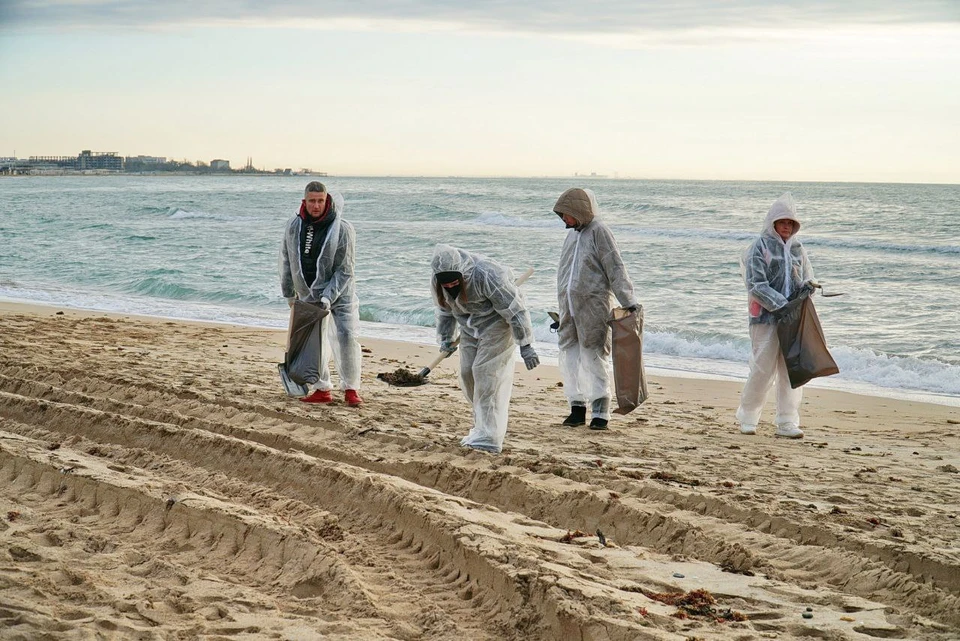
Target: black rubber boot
x=578, y=416
x=598, y=423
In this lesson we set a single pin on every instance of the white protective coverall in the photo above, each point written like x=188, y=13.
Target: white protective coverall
x=773, y=270
x=492, y=317
x=336, y=282
x=590, y=274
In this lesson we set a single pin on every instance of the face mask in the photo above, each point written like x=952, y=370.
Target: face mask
x=445, y=278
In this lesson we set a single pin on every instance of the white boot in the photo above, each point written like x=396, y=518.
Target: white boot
x=789, y=430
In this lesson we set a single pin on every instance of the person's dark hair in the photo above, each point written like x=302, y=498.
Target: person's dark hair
x=314, y=186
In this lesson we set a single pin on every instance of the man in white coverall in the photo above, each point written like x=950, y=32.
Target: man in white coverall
x=316, y=266
x=775, y=269
x=479, y=295
x=590, y=274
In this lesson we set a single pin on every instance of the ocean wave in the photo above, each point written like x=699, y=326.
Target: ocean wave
x=654, y=232
x=859, y=365
x=497, y=219
x=176, y=213
x=156, y=286
x=877, y=245
x=897, y=372
x=807, y=240
x=422, y=317
x=671, y=344
x=157, y=297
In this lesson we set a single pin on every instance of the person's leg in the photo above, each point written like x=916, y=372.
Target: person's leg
x=492, y=370
x=594, y=372
x=788, y=404
x=765, y=350
x=468, y=354
x=569, y=361
x=322, y=387
x=346, y=346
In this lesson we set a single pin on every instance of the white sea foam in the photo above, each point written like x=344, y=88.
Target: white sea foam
x=861, y=370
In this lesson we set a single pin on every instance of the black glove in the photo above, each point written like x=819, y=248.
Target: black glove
x=448, y=346
x=632, y=308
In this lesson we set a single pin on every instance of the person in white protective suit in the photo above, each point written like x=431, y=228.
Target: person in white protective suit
x=591, y=273
x=316, y=266
x=479, y=295
x=775, y=269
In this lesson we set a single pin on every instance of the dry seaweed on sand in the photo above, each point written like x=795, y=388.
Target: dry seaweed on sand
x=695, y=603
x=675, y=478
x=401, y=378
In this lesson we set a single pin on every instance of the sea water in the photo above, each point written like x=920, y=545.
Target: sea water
x=206, y=248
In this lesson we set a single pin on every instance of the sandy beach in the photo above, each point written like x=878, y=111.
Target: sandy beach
x=156, y=483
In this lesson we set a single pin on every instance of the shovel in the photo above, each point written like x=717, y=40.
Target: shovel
x=443, y=355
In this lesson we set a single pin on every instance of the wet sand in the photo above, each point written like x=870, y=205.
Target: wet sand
x=156, y=483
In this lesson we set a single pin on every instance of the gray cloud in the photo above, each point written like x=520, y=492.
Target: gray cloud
x=544, y=16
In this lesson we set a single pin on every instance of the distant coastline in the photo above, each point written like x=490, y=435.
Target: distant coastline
x=177, y=174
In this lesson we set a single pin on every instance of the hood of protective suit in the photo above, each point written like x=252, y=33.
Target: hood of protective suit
x=450, y=259
x=579, y=204
x=783, y=209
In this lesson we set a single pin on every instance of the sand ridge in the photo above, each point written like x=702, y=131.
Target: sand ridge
x=158, y=484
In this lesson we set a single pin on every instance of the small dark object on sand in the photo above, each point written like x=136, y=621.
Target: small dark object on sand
x=402, y=378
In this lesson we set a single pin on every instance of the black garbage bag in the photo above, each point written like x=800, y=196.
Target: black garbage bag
x=802, y=343
x=629, y=379
x=301, y=362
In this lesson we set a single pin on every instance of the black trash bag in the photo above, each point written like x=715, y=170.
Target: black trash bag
x=301, y=362
x=629, y=379
x=802, y=343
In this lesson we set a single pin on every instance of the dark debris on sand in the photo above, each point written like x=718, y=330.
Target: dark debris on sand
x=401, y=378
x=696, y=603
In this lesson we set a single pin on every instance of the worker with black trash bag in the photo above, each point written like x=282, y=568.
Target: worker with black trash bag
x=316, y=267
x=778, y=277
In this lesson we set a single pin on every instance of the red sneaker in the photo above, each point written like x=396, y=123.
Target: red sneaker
x=318, y=396
x=352, y=398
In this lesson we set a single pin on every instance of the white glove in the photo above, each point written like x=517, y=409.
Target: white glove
x=324, y=303
x=529, y=356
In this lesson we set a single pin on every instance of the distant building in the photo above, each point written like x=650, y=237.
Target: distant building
x=99, y=160
x=220, y=165
x=52, y=162
x=145, y=160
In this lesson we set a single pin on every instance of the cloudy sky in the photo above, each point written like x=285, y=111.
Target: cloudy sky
x=702, y=89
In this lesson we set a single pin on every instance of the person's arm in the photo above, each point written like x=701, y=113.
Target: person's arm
x=344, y=259
x=507, y=300
x=613, y=267
x=286, y=276
x=446, y=329
x=757, y=280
